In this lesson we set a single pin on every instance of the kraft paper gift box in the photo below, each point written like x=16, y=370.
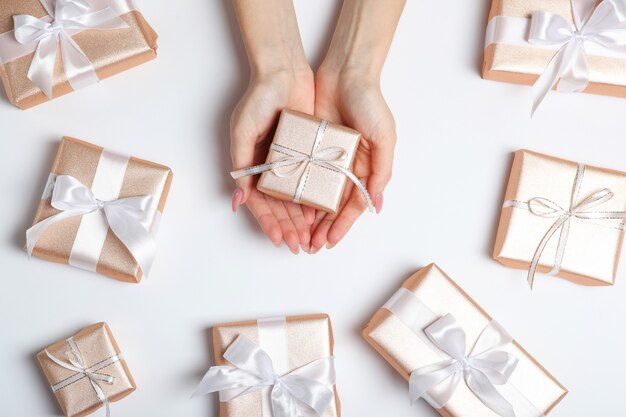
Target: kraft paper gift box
x=86, y=371
x=108, y=187
x=300, y=350
x=117, y=39
x=562, y=217
x=435, y=336
x=309, y=162
x=510, y=56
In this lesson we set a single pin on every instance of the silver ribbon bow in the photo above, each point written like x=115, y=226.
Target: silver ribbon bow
x=543, y=207
x=67, y=15
x=304, y=392
x=603, y=25
x=488, y=364
x=124, y=216
x=76, y=363
x=294, y=160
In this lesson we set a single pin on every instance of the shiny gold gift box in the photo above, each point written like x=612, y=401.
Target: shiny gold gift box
x=523, y=64
x=405, y=351
x=592, y=248
x=324, y=187
x=110, y=52
x=96, y=344
x=309, y=338
x=80, y=160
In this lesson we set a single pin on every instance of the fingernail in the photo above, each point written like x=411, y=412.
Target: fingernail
x=237, y=197
x=378, y=203
x=306, y=248
x=278, y=244
x=314, y=250
x=294, y=250
x=330, y=245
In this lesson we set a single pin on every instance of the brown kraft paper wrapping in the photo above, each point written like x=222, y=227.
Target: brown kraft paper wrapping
x=403, y=350
x=80, y=160
x=96, y=344
x=592, y=250
x=309, y=338
x=524, y=64
x=110, y=52
x=324, y=187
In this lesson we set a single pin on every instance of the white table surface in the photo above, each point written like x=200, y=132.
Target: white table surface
x=456, y=135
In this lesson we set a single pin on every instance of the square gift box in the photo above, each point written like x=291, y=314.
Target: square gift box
x=455, y=356
x=86, y=371
x=117, y=38
x=563, y=218
x=294, y=356
x=524, y=37
x=99, y=211
x=309, y=162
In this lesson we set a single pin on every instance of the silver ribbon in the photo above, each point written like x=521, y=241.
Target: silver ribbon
x=293, y=161
x=569, y=67
x=124, y=217
x=582, y=210
x=76, y=363
x=67, y=16
x=303, y=392
x=487, y=365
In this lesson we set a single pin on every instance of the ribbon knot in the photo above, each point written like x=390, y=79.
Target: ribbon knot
x=487, y=364
x=569, y=67
x=302, y=392
x=126, y=217
x=48, y=32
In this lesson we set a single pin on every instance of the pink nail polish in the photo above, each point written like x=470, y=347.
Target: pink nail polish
x=237, y=197
x=378, y=203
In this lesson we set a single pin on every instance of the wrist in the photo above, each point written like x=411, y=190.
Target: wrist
x=278, y=62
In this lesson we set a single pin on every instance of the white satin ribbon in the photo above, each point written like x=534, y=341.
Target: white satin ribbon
x=487, y=365
x=76, y=363
x=67, y=16
x=303, y=392
x=597, y=30
x=125, y=217
x=293, y=161
x=582, y=210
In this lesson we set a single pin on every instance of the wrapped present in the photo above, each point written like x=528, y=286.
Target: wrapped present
x=568, y=43
x=562, y=218
x=279, y=367
x=86, y=371
x=309, y=162
x=455, y=356
x=99, y=211
x=49, y=48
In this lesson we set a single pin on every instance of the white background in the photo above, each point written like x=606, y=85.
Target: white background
x=456, y=135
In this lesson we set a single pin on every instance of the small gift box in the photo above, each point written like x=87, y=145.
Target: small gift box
x=86, y=371
x=309, y=162
x=274, y=367
x=99, y=211
x=49, y=48
x=568, y=43
x=455, y=356
x=563, y=218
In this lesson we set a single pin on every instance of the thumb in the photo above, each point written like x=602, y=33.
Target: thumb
x=242, y=149
x=382, y=164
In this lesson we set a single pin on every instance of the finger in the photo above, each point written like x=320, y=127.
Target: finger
x=303, y=228
x=290, y=235
x=320, y=234
x=382, y=162
x=309, y=214
x=263, y=214
x=243, y=141
x=351, y=212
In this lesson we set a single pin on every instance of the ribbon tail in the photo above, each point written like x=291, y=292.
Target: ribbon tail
x=41, y=70
x=488, y=394
x=532, y=270
x=549, y=77
x=78, y=68
x=101, y=396
x=357, y=182
x=423, y=379
x=36, y=231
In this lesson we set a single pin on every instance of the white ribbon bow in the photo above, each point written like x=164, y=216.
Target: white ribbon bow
x=124, y=216
x=487, y=365
x=67, y=15
x=76, y=363
x=569, y=67
x=304, y=392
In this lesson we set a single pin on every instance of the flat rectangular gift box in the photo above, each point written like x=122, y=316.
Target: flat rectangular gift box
x=324, y=186
x=592, y=248
x=531, y=389
x=99, y=353
x=117, y=174
x=110, y=51
x=522, y=63
x=308, y=338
